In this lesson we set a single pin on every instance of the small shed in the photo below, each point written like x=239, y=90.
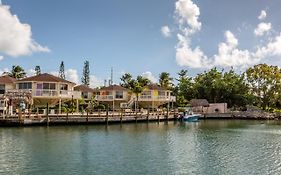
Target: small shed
x=199, y=104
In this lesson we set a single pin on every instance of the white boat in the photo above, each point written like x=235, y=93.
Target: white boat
x=191, y=117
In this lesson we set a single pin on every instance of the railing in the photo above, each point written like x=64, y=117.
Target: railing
x=67, y=94
x=45, y=93
x=55, y=93
x=104, y=97
x=157, y=98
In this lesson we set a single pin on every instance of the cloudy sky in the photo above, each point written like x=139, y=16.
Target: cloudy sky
x=141, y=37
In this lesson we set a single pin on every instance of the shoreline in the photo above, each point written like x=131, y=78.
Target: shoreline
x=69, y=120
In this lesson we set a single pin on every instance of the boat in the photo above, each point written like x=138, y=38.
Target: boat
x=191, y=117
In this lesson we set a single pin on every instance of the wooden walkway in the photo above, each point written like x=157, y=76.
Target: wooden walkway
x=76, y=119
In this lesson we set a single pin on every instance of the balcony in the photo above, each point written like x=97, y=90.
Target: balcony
x=111, y=98
x=157, y=98
x=56, y=94
x=104, y=97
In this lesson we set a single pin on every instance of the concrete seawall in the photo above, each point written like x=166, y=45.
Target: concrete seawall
x=242, y=115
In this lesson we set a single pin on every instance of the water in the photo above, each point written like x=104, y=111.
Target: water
x=208, y=147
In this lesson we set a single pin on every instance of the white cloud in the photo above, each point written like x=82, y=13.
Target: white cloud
x=55, y=73
x=95, y=82
x=1, y=57
x=262, y=15
x=149, y=76
x=16, y=37
x=229, y=55
x=3, y=70
x=166, y=32
x=273, y=48
x=187, y=13
x=72, y=75
x=30, y=72
x=262, y=28
x=186, y=56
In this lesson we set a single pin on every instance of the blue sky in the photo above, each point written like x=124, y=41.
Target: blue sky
x=126, y=35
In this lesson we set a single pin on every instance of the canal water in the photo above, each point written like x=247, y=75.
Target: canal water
x=207, y=147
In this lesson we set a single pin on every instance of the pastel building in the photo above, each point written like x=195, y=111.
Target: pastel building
x=117, y=96
x=6, y=83
x=114, y=96
x=46, y=88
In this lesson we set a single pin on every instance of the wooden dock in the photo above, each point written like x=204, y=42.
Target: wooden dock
x=77, y=119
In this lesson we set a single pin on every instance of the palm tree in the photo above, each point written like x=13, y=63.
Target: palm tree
x=126, y=80
x=165, y=80
x=17, y=72
x=137, y=89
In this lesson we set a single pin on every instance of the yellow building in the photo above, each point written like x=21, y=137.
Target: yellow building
x=117, y=96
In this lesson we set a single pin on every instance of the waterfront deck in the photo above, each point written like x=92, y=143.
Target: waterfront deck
x=96, y=118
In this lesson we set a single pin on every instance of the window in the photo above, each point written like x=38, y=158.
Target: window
x=161, y=93
x=51, y=86
x=63, y=87
x=85, y=95
x=2, y=89
x=25, y=85
x=147, y=93
x=108, y=93
x=119, y=94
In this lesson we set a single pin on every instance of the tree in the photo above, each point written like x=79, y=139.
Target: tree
x=137, y=89
x=184, y=89
x=61, y=71
x=265, y=84
x=17, y=72
x=165, y=80
x=86, y=74
x=143, y=81
x=37, y=70
x=222, y=87
x=136, y=86
x=126, y=80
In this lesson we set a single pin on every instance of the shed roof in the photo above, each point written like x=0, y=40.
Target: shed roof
x=199, y=102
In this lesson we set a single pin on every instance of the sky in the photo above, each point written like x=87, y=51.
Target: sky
x=144, y=37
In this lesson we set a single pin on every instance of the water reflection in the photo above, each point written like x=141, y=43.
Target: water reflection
x=205, y=147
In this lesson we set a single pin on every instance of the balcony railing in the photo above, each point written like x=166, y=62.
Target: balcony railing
x=55, y=93
x=104, y=97
x=156, y=98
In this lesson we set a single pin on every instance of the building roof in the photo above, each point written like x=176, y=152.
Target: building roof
x=45, y=78
x=199, y=102
x=84, y=88
x=114, y=87
x=156, y=87
x=6, y=79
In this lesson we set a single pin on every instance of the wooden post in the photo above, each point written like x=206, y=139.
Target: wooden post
x=158, y=116
x=106, y=119
x=67, y=117
x=87, y=116
x=167, y=117
x=47, y=113
x=121, y=116
x=20, y=116
x=147, y=117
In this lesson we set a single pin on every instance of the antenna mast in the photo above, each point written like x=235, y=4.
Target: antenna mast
x=111, y=79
